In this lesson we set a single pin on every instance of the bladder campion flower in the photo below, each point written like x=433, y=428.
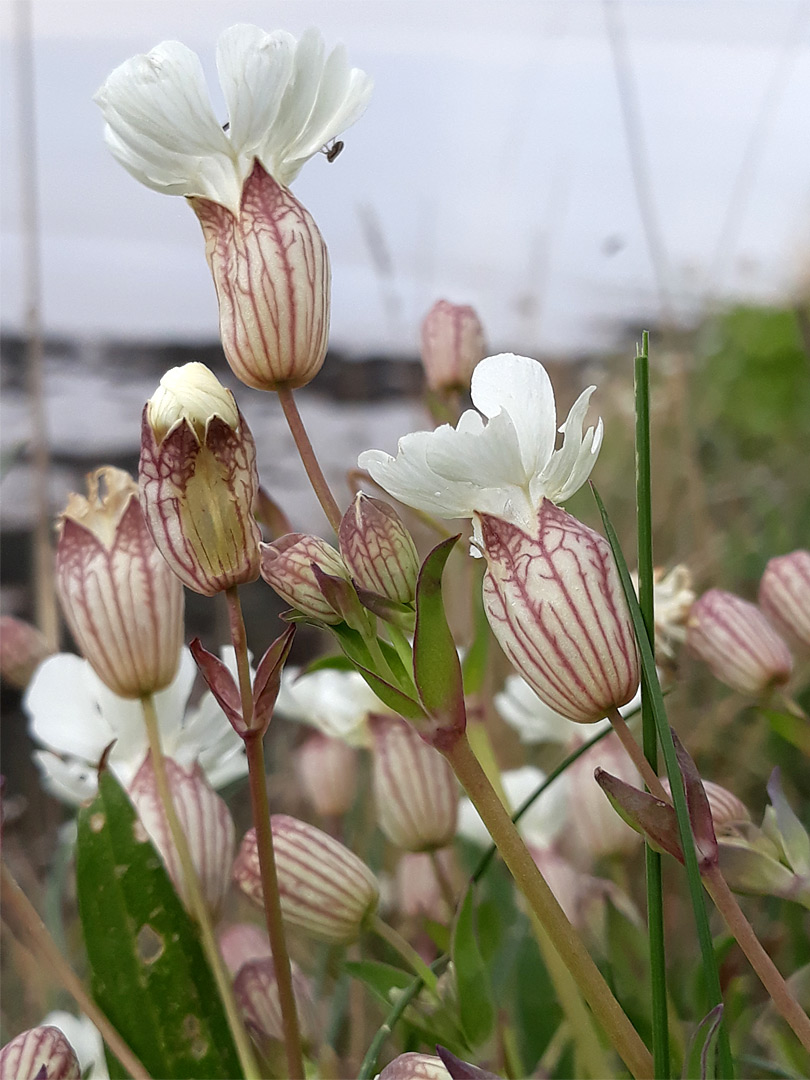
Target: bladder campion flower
x=285, y=99
x=123, y=604
x=199, y=482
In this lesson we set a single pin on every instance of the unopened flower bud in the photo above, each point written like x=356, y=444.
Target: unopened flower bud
x=240, y=943
x=593, y=831
x=205, y=820
x=738, y=643
x=198, y=481
x=287, y=567
x=784, y=596
x=555, y=603
x=256, y=991
x=378, y=550
x=271, y=272
x=452, y=344
x=123, y=604
x=325, y=890
x=22, y=650
x=327, y=769
x=39, y=1052
x=415, y=791
x=418, y=889
x=413, y=1066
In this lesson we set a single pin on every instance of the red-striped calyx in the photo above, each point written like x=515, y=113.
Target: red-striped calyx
x=123, y=604
x=555, y=603
x=325, y=890
x=198, y=481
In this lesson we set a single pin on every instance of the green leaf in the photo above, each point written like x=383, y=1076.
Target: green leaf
x=475, y=1004
x=393, y=696
x=701, y=1058
x=437, y=670
x=380, y=978
x=651, y=689
x=149, y=973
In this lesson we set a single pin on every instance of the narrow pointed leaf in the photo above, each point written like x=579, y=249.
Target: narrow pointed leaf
x=793, y=835
x=149, y=972
x=475, y=1003
x=700, y=814
x=437, y=670
x=221, y=684
x=654, y=819
x=268, y=677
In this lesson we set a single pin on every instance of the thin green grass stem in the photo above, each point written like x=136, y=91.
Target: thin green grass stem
x=649, y=739
x=652, y=692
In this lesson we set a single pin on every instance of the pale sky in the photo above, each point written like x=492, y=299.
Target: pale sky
x=492, y=162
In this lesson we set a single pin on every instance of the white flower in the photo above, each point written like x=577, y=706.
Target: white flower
x=536, y=722
x=672, y=601
x=285, y=100
x=499, y=460
x=75, y=717
x=541, y=823
x=336, y=703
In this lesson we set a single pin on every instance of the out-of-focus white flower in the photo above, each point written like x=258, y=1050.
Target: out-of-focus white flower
x=541, y=823
x=75, y=717
x=85, y=1038
x=536, y=722
x=285, y=100
x=500, y=459
x=673, y=597
x=336, y=703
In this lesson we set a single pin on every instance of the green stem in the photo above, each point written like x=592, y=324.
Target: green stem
x=564, y=937
x=196, y=900
x=43, y=945
x=309, y=460
x=408, y=953
x=401, y=644
x=769, y=976
x=649, y=738
x=254, y=749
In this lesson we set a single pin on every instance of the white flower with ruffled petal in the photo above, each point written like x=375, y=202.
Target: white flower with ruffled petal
x=536, y=722
x=500, y=459
x=76, y=717
x=286, y=100
x=336, y=703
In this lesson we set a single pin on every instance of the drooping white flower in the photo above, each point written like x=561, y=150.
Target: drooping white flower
x=75, y=717
x=500, y=459
x=541, y=823
x=336, y=703
x=285, y=99
x=537, y=722
x=673, y=597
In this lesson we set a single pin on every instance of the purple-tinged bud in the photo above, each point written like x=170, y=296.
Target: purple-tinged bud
x=286, y=566
x=555, y=603
x=271, y=272
x=418, y=889
x=784, y=596
x=205, y=820
x=378, y=550
x=327, y=769
x=325, y=890
x=592, y=831
x=123, y=604
x=240, y=943
x=22, y=650
x=37, y=1053
x=415, y=790
x=198, y=481
x=452, y=344
x=415, y=1067
x=738, y=643
x=256, y=990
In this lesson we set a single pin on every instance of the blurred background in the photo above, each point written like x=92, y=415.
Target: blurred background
x=576, y=171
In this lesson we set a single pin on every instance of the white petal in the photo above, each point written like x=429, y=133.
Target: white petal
x=254, y=70
x=409, y=478
x=162, y=127
x=297, y=103
x=520, y=387
x=571, y=465
x=71, y=781
x=64, y=710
